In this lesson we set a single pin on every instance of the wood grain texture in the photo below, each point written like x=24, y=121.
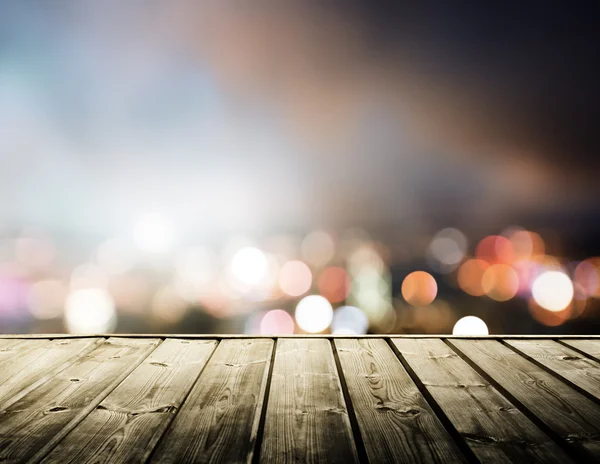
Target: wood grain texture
x=28, y=372
x=128, y=423
x=32, y=426
x=15, y=356
x=306, y=418
x=491, y=426
x=396, y=423
x=219, y=419
x=569, y=414
x=567, y=363
x=589, y=347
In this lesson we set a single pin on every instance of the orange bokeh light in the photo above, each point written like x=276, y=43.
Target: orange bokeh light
x=470, y=275
x=334, y=284
x=495, y=249
x=419, y=288
x=500, y=282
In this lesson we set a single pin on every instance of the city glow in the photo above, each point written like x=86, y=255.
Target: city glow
x=419, y=288
x=448, y=248
x=318, y=248
x=295, y=278
x=249, y=265
x=90, y=311
x=277, y=322
x=470, y=325
x=153, y=233
x=470, y=275
x=314, y=313
x=552, y=290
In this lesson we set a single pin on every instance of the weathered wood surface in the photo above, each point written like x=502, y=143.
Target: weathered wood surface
x=493, y=428
x=219, y=420
x=306, y=419
x=299, y=399
x=575, y=418
x=396, y=423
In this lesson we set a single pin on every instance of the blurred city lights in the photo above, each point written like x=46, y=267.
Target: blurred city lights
x=90, y=311
x=552, y=290
x=318, y=248
x=277, y=322
x=470, y=325
x=249, y=265
x=334, y=284
x=295, y=278
x=525, y=244
x=495, y=249
x=587, y=275
x=349, y=320
x=470, y=275
x=314, y=313
x=153, y=233
x=419, y=288
x=500, y=282
x=447, y=249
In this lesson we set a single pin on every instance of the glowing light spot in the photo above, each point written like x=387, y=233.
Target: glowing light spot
x=314, y=313
x=334, y=284
x=470, y=325
x=349, y=320
x=90, y=311
x=47, y=299
x=318, y=248
x=153, y=233
x=277, y=322
x=495, y=249
x=448, y=249
x=549, y=318
x=587, y=275
x=295, y=278
x=419, y=288
x=249, y=265
x=525, y=244
x=500, y=282
x=470, y=275
x=552, y=290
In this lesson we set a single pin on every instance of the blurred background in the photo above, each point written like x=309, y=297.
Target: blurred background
x=299, y=167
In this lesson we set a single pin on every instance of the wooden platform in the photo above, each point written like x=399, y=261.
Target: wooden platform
x=184, y=399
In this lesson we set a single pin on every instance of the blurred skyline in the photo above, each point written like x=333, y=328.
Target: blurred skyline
x=278, y=118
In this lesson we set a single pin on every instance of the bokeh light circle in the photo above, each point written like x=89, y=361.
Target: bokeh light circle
x=334, y=284
x=349, y=320
x=90, y=311
x=500, y=282
x=295, y=278
x=470, y=275
x=277, y=322
x=419, y=288
x=249, y=265
x=470, y=325
x=314, y=313
x=552, y=290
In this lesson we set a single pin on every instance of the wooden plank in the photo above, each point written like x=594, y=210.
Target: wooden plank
x=14, y=357
x=568, y=363
x=589, y=347
x=218, y=422
x=491, y=426
x=306, y=418
x=395, y=421
x=32, y=426
x=26, y=374
x=572, y=416
x=128, y=423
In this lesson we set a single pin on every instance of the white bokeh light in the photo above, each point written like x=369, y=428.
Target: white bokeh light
x=249, y=265
x=90, y=311
x=153, y=233
x=552, y=290
x=314, y=313
x=470, y=325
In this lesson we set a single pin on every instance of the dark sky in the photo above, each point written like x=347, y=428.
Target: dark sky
x=284, y=114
